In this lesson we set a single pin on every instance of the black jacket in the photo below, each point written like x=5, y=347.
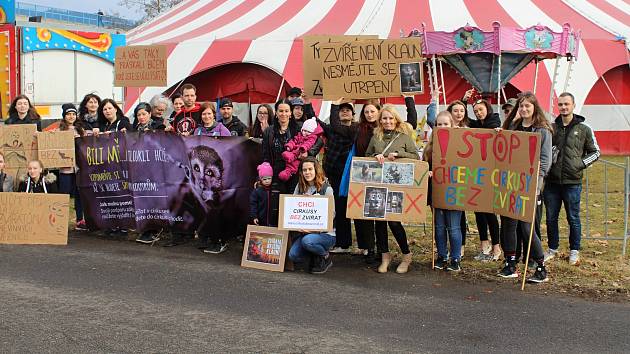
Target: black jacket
x=236, y=127
x=116, y=126
x=13, y=119
x=49, y=179
x=260, y=208
x=494, y=121
x=340, y=140
x=577, y=149
x=154, y=124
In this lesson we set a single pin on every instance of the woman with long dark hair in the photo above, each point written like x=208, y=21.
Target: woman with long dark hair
x=21, y=111
x=88, y=111
x=264, y=119
x=111, y=117
x=531, y=118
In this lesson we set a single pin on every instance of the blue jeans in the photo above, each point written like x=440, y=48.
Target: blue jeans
x=317, y=244
x=555, y=195
x=68, y=185
x=448, y=221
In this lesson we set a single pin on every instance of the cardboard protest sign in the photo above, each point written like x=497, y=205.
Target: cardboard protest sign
x=56, y=149
x=306, y=212
x=140, y=66
x=34, y=219
x=19, y=146
x=265, y=248
x=393, y=191
x=311, y=62
x=371, y=68
x=483, y=170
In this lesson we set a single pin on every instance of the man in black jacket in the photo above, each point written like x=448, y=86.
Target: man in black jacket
x=574, y=149
x=234, y=125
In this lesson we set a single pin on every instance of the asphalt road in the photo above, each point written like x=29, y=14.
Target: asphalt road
x=96, y=296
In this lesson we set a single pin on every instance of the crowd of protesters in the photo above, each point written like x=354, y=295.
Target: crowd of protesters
x=292, y=137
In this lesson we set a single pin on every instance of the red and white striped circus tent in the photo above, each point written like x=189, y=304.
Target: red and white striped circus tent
x=244, y=48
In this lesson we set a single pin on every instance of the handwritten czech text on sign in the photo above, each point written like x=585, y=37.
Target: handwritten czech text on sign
x=140, y=66
x=56, y=149
x=369, y=68
x=482, y=170
x=311, y=59
x=34, y=219
x=306, y=212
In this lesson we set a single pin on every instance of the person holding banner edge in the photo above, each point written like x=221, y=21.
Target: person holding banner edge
x=531, y=118
x=308, y=248
x=392, y=140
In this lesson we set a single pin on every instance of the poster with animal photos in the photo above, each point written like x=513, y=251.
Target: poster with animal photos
x=392, y=191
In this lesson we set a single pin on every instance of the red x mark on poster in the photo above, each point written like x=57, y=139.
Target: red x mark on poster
x=413, y=203
x=355, y=198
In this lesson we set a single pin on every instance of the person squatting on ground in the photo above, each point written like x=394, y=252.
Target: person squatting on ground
x=307, y=143
x=311, y=249
x=531, y=118
x=575, y=148
x=392, y=140
x=447, y=223
x=35, y=181
x=260, y=211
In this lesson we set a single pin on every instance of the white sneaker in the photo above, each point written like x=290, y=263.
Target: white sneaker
x=574, y=257
x=340, y=250
x=550, y=254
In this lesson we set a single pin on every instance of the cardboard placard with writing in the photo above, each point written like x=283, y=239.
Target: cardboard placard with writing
x=311, y=62
x=140, y=66
x=34, y=219
x=56, y=149
x=19, y=146
x=265, y=248
x=371, y=68
x=306, y=212
x=393, y=191
x=484, y=170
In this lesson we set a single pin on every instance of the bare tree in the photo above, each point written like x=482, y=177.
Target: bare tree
x=149, y=8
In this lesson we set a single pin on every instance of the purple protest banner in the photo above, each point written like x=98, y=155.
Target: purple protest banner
x=157, y=180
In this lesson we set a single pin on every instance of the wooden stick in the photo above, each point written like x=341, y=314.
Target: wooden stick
x=531, y=233
x=433, y=239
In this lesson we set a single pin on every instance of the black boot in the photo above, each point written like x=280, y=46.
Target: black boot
x=371, y=259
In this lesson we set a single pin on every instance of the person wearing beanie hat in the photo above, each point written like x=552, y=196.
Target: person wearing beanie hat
x=309, y=142
x=67, y=175
x=260, y=211
x=297, y=107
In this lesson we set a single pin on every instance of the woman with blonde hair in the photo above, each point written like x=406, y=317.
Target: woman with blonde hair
x=392, y=140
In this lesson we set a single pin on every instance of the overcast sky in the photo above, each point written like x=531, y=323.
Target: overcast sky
x=92, y=6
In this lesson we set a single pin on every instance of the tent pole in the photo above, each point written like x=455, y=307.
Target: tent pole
x=499, y=85
x=430, y=76
x=280, y=89
x=435, y=78
x=443, y=88
x=568, y=78
x=553, y=84
x=535, y=76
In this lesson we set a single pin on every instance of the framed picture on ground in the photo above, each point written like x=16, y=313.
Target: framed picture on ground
x=265, y=248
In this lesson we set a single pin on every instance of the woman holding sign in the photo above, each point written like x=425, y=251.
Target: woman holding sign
x=392, y=140
x=531, y=118
x=313, y=248
x=486, y=119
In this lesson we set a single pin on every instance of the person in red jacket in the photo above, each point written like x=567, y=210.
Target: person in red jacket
x=189, y=117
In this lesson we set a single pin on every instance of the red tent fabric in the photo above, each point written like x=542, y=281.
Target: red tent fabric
x=205, y=34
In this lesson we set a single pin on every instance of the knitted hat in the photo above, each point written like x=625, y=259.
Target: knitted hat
x=310, y=125
x=67, y=108
x=265, y=170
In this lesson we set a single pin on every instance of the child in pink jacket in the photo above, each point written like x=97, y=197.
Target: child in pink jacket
x=308, y=142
